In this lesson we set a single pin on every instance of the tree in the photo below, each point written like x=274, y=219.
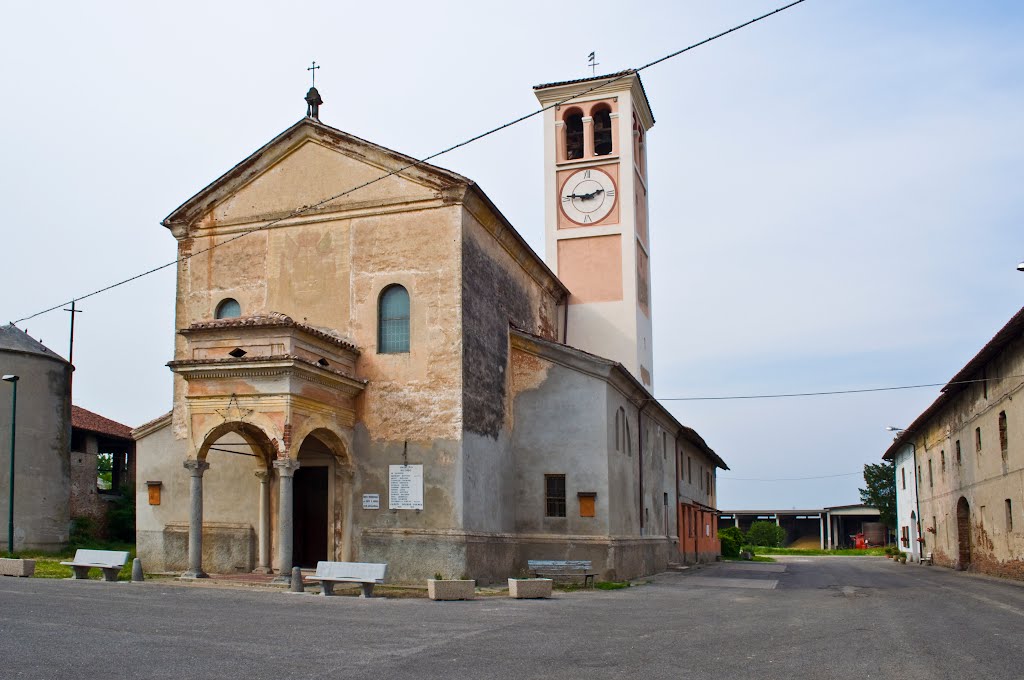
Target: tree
x=766, y=534
x=880, y=480
x=732, y=539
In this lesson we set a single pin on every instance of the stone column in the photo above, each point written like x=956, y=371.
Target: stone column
x=286, y=468
x=196, y=468
x=263, y=566
x=588, y=137
x=821, y=527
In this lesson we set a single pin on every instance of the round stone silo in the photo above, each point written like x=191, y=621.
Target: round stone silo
x=42, y=471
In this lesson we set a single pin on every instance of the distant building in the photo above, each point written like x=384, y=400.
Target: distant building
x=102, y=464
x=831, y=528
x=964, y=459
x=69, y=462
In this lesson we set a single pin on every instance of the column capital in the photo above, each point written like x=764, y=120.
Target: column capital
x=286, y=467
x=196, y=467
x=263, y=475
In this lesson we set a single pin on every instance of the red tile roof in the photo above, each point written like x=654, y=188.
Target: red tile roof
x=84, y=419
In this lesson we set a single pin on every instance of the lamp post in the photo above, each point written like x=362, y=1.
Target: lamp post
x=13, y=379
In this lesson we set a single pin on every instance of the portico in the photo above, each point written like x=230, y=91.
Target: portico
x=280, y=394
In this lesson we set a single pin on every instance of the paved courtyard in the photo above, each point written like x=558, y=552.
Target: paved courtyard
x=830, y=617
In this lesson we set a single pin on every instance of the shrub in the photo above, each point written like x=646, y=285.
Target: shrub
x=121, y=518
x=731, y=538
x=83, y=531
x=766, y=534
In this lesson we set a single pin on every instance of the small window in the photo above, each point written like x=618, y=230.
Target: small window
x=393, y=329
x=1009, y=515
x=689, y=469
x=228, y=309
x=977, y=439
x=1004, y=441
x=629, y=439
x=931, y=480
x=958, y=452
x=602, y=132
x=942, y=462
x=554, y=495
x=903, y=476
x=574, y=136
x=618, y=429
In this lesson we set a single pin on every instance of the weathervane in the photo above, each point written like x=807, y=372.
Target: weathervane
x=591, y=63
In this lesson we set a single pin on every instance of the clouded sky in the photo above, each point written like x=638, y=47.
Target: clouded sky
x=835, y=192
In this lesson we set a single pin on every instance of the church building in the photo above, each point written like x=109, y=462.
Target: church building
x=394, y=375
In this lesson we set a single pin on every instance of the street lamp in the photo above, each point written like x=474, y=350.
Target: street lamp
x=13, y=379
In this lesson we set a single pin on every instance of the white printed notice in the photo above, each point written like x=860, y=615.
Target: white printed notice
x=371, y=501
x=405, y=488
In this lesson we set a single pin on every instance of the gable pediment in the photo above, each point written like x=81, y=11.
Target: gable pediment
x=301, y=167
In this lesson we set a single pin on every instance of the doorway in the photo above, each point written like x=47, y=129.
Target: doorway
x=915, y=545
x=310, y=513
x=963, y=533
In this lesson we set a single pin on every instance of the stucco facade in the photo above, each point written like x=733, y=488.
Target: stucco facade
x=967, y=452
x=293, y=415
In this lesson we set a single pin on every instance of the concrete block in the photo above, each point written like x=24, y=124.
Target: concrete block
x=17, y=567
x=455, y=589
x=530, y=588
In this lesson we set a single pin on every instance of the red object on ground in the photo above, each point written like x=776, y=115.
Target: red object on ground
x=861, y=542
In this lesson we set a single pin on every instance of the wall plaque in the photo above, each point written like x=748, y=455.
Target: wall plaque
x=405, y=487
x=371, y=501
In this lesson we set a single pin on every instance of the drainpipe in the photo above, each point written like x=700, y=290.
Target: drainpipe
x=640, y=459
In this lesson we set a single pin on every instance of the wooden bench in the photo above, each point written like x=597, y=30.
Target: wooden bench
x=927, y=559
x=366, y=574
x=563, y=569
x=110, y=561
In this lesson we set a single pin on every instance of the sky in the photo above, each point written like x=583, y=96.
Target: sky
x=835, y=193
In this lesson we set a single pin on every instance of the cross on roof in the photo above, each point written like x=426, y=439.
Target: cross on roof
x=313, y=68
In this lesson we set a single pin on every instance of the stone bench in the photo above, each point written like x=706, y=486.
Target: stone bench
x=556, y=569
x=110, y=561
x=366, y=574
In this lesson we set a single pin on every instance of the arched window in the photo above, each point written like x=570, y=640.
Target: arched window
x=602, y=132
x=228, y=308
x=393, y=321
x=574, y=136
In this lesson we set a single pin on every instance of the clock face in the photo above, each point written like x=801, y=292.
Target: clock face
x=588, y=196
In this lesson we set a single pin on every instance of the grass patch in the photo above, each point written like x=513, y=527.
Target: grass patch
x=48, y=565
x=756, y=558
x=848, y=552
x=611, y=585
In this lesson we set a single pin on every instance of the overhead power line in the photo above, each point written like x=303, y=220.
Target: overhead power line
x=305, y=209
x=785, y=395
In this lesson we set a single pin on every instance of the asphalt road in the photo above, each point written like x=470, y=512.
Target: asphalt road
x=830, y=617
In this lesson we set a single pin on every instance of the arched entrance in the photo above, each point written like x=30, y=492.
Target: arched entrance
x=963, y=533
x=321, y=491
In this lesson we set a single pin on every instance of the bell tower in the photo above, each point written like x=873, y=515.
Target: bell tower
x=596, y=232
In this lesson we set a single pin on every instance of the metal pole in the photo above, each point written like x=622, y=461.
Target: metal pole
x=10, y=504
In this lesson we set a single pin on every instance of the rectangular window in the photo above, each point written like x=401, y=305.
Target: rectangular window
x=918, y=476
x=554, y=495
x=977, y=439
x=931, y=480
x=1003, y=439
x=958, y=452
x=707, y=484
x=903, y=476
x=942, y=462
x=1009, y=515
x=664, y=445
x=689, y=469
x=700, y=477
